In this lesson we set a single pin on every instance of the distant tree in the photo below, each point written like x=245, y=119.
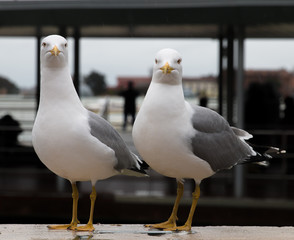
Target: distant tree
x=96, y=82
x=8, y=87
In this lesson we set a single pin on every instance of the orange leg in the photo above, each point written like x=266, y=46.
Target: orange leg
x=74, y=221
x=171, y=222
x=188, y=224
x=89, y=226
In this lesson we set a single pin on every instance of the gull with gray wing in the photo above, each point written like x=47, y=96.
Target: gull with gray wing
x=180, y=140
x=71, y=141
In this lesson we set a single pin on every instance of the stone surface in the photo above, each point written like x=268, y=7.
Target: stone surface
x=129, y=232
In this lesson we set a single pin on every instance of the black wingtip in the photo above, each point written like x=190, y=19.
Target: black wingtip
x=263, y=154
x=267, y=150
x=143, y=167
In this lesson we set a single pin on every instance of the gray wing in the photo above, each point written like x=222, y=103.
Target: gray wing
x=106, y=134
x=215, y=141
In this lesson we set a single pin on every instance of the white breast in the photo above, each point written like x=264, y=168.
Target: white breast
x=62, y=140
x=162, y=133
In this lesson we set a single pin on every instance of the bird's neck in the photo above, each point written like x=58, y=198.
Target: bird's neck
x=165, y=97
x=57, y=85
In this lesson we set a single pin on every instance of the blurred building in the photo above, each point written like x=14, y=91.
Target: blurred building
x=282, y=79
x=201, y=85
x=140, y=83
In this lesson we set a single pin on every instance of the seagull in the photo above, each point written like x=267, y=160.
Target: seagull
x=71, y=141
x=180, y=140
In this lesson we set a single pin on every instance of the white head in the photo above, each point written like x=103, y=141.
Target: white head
x=54, y=53
x=167, y=67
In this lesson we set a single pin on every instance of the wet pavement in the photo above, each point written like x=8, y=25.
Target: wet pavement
x=129, y=232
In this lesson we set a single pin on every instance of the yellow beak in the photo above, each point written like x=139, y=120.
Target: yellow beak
x=55, y=51
x=166, y=68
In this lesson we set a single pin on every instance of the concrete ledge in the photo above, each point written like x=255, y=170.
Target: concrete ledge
x=129, y=232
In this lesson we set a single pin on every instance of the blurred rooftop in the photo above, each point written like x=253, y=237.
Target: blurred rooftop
x=139, y=18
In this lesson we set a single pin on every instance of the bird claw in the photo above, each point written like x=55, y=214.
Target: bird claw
x=87, y=227
x=185, y=227
x=70, y=226
x=165, y=225
x=60, y=227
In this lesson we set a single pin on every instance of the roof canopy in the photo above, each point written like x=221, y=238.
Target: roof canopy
x=141, y=18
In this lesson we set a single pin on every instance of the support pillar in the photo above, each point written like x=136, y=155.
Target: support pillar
x=62, y=31
x=76, y=78
x=239, y=171
x=38, y=74
x=220, y=73
x=230, y=74
x=240, y=80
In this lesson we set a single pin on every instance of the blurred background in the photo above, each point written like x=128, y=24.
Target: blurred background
x=237, y=60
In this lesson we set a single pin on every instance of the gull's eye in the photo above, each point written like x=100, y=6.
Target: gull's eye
x=156, y=61
x=44, y=44
x=179, y=61
x=65, y=44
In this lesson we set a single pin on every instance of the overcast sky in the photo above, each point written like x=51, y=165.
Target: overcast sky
x=134, y=57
